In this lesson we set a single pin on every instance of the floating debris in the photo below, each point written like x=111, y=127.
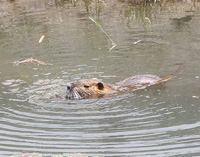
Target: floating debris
x=30, y=60
x=137, y=42
x=41, y=39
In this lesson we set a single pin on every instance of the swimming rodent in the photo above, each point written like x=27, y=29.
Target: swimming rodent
x=94, y=88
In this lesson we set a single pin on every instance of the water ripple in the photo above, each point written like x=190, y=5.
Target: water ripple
x=92, y=126
x=147, y=123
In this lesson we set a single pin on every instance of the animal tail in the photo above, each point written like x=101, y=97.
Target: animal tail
x=173, y=75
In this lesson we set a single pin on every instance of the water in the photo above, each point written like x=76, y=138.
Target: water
x=151, y=39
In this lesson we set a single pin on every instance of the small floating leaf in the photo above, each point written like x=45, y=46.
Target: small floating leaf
x=196, y=97
x=41, y=39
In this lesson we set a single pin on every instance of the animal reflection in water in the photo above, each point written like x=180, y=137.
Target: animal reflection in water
x=94, y=88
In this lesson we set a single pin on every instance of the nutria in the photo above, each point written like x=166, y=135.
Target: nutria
x=94, y=88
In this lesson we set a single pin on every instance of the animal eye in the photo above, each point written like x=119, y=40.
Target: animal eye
x=100, y=86
x=68, y=87
x=86, y=86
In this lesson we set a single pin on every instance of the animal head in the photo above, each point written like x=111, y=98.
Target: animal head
x=86, y=89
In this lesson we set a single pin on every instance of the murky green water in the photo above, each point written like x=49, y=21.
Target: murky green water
x=151, y=39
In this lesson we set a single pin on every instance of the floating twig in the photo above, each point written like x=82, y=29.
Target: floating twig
x=137, y=42
x=30, y=60
x=97, y=24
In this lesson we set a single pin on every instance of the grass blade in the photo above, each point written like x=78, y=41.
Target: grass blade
x=98, y=25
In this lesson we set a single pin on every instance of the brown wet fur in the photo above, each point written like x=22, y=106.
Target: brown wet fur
x=86, y=89
x=94, y=88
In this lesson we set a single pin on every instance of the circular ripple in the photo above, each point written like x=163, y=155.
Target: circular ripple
x=136, y=125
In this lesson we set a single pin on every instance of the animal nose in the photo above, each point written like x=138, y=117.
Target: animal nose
x=69, y=87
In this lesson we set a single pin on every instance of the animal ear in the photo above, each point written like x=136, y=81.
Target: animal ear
x=100, y=86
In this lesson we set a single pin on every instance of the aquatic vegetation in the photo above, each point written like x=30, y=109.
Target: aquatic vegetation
x=101, y=28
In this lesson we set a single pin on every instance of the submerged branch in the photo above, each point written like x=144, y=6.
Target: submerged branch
x=30, y=60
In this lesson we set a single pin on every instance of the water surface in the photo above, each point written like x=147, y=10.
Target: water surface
x=152, y=38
